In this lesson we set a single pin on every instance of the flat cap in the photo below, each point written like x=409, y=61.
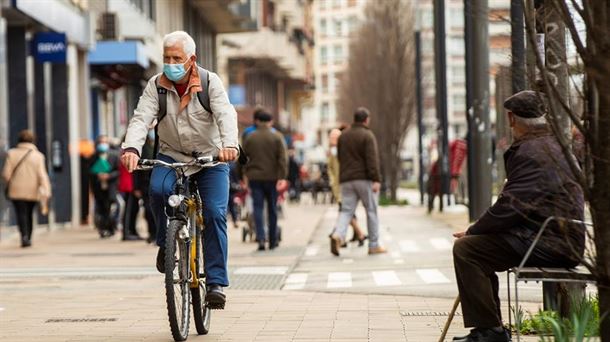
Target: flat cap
x=526, y=104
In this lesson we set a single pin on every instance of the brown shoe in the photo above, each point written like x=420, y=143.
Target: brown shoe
x=377, y=250
x=335, y=244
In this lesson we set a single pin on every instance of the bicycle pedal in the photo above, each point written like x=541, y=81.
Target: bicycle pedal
x=216, y=306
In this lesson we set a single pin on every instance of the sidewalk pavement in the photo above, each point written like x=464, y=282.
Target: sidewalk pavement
x=72, y=286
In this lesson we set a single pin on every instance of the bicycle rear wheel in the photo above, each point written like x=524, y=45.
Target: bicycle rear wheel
x=177, y=289
x=201, y=310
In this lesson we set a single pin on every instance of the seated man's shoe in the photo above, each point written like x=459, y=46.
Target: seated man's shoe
x=215, y=297
x=161, y=260
x=485, y=335
x=335, y=244
x=377, y=250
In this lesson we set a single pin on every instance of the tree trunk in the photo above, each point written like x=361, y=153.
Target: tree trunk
x=600, y=201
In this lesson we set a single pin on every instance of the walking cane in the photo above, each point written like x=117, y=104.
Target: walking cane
x=449, y=319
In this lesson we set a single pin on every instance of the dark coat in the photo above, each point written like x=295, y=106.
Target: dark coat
x=358, y=155
x=96, y=186
x=539, y=184
x=268, y=156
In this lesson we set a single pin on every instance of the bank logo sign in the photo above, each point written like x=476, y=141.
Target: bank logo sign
x=50, y=47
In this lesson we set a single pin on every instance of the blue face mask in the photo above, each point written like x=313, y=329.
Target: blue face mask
x=102, y=148
x=174, y=72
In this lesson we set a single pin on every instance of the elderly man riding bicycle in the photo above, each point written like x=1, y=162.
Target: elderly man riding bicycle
x=186, y=125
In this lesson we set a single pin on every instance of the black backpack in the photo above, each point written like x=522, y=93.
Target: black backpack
x=204, y=100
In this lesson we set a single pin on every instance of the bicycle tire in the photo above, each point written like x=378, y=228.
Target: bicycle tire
x=201, y=311
x=178, y=309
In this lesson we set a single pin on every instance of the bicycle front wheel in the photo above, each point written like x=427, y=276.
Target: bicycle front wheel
x=201, y=309
x=177, y=272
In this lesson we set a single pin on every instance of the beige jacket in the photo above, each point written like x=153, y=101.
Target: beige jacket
x=187, y=127
x=31, y=181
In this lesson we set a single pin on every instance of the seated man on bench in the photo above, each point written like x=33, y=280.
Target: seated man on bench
x=539, y=184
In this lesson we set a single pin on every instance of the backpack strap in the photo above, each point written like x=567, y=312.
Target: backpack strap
x=204, y=96
x=162, y=98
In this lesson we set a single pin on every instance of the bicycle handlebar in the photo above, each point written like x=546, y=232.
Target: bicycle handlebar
x=203, y=161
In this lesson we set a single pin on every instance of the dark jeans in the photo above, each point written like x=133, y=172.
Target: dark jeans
x=130, y=214
x=265, y=191
x=477, y=258
x=213, y=186
x=25, y=213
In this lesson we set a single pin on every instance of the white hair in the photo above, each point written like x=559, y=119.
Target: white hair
x=188, y=44
x=532, y=122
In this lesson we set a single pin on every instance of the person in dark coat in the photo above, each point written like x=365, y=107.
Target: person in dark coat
x=266, y=171
x=142, y=185
x=103, y=175
x=539, y=184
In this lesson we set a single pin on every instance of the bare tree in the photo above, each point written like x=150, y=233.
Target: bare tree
x=381, y=76
x=591, y=121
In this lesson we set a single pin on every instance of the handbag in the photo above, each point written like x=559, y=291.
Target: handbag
x=8, y=182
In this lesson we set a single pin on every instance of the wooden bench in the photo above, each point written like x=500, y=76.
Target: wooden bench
x=544, y=274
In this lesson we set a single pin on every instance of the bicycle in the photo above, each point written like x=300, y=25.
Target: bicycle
x=185, y=279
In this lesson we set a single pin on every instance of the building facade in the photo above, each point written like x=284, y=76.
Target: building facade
x=334, y=22
x=271, y=67
x=76, y=69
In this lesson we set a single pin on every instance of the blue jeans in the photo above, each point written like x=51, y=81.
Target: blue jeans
x=265, y=191
x=213, y=186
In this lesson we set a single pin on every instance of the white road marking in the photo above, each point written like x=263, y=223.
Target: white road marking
x=339, y=279
x=408, y=246
x=296, y=281
x=312, y=250
x=399, y=261
x=432, y=276
x=396, y=255
x=386, y=278
x=441, y=244
x=265, y=270
x=348, y=261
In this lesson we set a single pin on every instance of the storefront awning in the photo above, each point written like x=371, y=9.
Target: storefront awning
x=116, y=52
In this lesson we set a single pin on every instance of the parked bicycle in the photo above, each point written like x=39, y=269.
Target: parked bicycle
x=185, y=279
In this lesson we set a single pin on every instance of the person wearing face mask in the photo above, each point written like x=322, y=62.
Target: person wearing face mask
x=186, y=128
x=103, y=176
x=333, y=176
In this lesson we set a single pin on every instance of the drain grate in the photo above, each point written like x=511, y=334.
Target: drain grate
x=426, y=313
x=80, y=320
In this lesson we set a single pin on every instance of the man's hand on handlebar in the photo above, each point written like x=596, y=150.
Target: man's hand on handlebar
x=130, y=161
x=228, y=154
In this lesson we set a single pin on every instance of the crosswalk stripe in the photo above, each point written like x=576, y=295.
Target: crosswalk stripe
x=339, y=279
x=399, y=261
x=348, y=261
x=441, y=244
x=396, y=254
x=408, y=246
x=296, y=281
x=432, y=276
x=386, y=278
x=312, y=250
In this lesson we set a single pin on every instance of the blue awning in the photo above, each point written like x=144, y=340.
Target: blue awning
x=115, y=52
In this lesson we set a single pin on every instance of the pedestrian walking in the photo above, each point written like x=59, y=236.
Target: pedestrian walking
x=103, y=175
x=333, y=176
x=142, y=185
x=27, y=183
x=194, y=117
x=359, y=179
x=540, y=184
x=265, y=173
x=127, y=189
x=294, y=178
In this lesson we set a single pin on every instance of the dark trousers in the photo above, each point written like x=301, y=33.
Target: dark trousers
x=103, y=202
x=232, y=207
x=265, y=191
x=25, y=217
x=150, y=218
x=130, y=214
x=477, y=258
